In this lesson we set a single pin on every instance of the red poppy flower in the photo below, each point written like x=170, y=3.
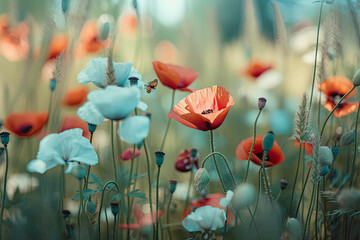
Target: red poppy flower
x=212, y=200
x=14, y=44
x=274, y=157
x=334, y=88
x=57, y=45
x=308, y=146
x=174, y=76
x=256, y=68
x=141, y=219
x=70, y=122
x=89, y=40
x=128, y=154
x=26, y=124
x=184, y=161
x=204, y=109
x=75, y=96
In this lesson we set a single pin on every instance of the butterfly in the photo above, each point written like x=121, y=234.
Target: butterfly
x=151, y=85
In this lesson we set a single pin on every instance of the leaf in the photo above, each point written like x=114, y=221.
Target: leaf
x=137, y=194
x=96, y=180
x=87, y=193
x=344, y=180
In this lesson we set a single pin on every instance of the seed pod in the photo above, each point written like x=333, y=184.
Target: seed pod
x=326, y=156
x=293, y=227
x=347, y=138
x=201, y=179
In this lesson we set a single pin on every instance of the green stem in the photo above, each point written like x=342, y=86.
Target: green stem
x=102, y=201
x=302, y=191
x=4, y=190
x=89, y=167
x=258, y=192
x=114, y=227
x=80, y=207
x=113, y=149
x=316, y=54
x=263, y=167
x=168, y=216
x=336, y=106
x=149, y=182
x=317, y=209
x=168, y=124
x=216, y=165
x=49, y=110
x=294, y=184
x=189, y=186
x=62, y=179
x=227, y=211
x=253, y=221
x=310, y=209
x=157, y=203
x=252, y=146
x=355, y=148
x=128, y=198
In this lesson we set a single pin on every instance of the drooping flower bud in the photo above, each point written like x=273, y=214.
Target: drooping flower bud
x=201, y=179
x=172, y=186
x=244, y=195
x=293, y=227
x=326, y=156
x=159, y=158
x=114, y=208
x=52, y=84
x=261, y=103
x=91, y=127
x=193, y=152
x=79, y=171
x=356, y=78
x=91, y=207
x=4, y=136
x=268, y=141
x=283, y=183
x=347, y=138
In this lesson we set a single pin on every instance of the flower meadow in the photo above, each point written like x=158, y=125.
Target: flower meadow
x=175, y=119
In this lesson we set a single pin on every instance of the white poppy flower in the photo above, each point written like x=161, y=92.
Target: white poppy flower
x=96, y=73
x=226, y=200
x=134, y=129
x=89, y=113
x=63, y=148
x=22, y=181
x=205, y=218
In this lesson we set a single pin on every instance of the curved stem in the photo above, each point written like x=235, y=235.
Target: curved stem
x=102, y=201
x=316, y=54
x=336, y=106
x=257, y=194
x=4, y=190
x=216, y=165
x=113, y=149
x=302, y=191
x=167, y=217
x=253, y=221
x=80, y=208
x=252, y=146
x=128, y=198
x=157, y=203
x=355, y=148
x=168, y=124
x=294, y=184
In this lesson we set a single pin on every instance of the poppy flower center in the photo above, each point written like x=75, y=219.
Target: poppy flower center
x=335, y=97
x=25, y=128
x=207, y=111
x=260, y=156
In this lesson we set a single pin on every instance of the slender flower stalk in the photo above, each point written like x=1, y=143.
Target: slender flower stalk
x=355, y=148
x=4, y=190
x=128, y=198
x=149, y=182
x=157, y=203
x=80, y=208
x=168, y=216
x=267, y=184
x=302, y=191
x=216, y=165
x=169, y=121
x=252, y=146
x=89, y=167
x=295, y=179
x=189, y=186
x=113, y=149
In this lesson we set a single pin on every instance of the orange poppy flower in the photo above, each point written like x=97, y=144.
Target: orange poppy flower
x=75, y=96
x=256, y=68
x=174, y=76
x=212, y=200
x=334, y=88
x=70, y=122
x=14, y=44
x=274, y=157
x=204, y=109
x=308, y=146
x=89, y=40
x=57, y=45
x=128, y=25
x=26, y=124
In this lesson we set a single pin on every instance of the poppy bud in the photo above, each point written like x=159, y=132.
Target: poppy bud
x=91, y=127
x=90, y=206
x=201, y=179
x=114, y=208
x=79, y=171
x=65, y=213
x=193, y=152
x=133, y=81
x=326, y=156
x=172, y=186
x=293, y=227
x=261, y=103
x=52, y=84
x=324, y=170
x=134, y=2
x=104, y=31
x=4, y=137
x=335, y=150
x=64, y=5
x=244, y=195
x=348, y=198
x=283, y=183
x=159, y=158
x=356, y=78
x=268, y=141
x=347, y=138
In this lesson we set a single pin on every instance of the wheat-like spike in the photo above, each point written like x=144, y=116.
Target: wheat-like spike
x=94, y=217
x=110, y=72
x=316, y=166
x=324, y=50
x=281, y=33
x=354, y=17
x=330, y=196
x=302, y=119
x=337, y=42
x=268, y=191
x=57, y=73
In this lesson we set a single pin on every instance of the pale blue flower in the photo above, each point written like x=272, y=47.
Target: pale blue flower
x=96, y=73
x=65, y=148
x=205, y=218
x=89, y=113
x=135, y=129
